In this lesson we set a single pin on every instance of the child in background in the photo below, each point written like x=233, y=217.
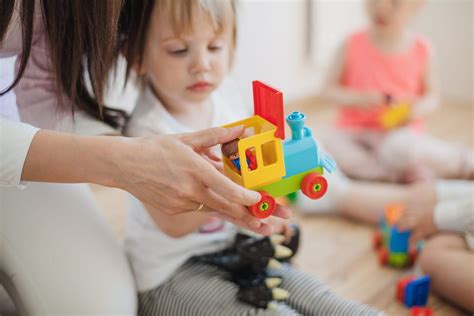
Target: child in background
x=387, y=63
x=183, y=55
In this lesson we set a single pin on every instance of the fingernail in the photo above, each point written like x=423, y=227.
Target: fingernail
x=255, y=196
x=255, y=224
x=236, y=128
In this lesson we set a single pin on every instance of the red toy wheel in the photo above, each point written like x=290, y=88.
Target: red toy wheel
x=383, y=256
x=377, y=240
x=314, y=186
x=265, y=207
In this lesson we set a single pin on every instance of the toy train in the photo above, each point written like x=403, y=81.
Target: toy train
x=391, y=243
x=274, y=166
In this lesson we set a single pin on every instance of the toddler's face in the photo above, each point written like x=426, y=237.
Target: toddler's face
x=392, y=14
x=185, y=69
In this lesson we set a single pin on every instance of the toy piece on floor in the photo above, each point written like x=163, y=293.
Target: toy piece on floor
x=413, y=291
x=274, y=166
x=392, y=244
x=247, y=261
x=421, y=311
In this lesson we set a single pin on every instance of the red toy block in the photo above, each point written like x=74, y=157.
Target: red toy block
x=268, y=103
x=383, y=256
x=401, y=287
x=377, y=240
x=421, y=311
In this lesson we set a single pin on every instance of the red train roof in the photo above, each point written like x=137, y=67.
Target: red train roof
x=268, y=103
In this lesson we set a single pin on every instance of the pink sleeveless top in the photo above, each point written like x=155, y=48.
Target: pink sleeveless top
x=366, y=68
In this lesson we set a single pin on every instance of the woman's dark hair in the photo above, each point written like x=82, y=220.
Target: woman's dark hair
x=133, y=26
x=83, y=43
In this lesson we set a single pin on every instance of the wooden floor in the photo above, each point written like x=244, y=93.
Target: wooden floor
x=334, y=249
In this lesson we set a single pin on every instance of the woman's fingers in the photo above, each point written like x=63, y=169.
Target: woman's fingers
x=282, y=211
x=227, y=189
x=232, y=210
x=265, y=229
x=205, y=139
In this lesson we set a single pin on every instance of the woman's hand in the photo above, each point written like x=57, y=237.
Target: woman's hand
x=170, y=173
x=281, y=225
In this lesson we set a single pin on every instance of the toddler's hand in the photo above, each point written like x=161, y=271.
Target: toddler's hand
x=370, y=98
x=420, y=221
x=280, y=225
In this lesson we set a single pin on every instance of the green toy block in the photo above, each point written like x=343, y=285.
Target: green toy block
x=287, y=185
x=292, y=197
x=398, y=260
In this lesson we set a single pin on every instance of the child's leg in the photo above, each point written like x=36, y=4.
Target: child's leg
x=354, y=155
x=365, y=201
x=201, y=290
x=405, y=151
x=309, y=296
x=449, y=262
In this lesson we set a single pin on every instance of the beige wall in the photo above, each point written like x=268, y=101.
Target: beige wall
x=449, y=25
x=272, y=47
x=273, y=42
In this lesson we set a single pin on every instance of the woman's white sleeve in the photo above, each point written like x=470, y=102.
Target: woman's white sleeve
x=15, y=141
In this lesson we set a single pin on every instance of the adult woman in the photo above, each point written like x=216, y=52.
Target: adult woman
x=56, y=252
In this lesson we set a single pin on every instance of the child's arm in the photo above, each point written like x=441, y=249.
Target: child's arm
x=178, y=225
x=430, y=99
x=450, y=207
x=335, y=94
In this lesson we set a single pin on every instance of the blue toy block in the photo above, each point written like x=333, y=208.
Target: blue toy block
x=301, y=151
x=416, y=292
x=327, y=162
x=399, y=240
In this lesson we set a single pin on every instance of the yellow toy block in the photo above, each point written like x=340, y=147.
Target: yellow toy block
x=259, y=138
x=395, y=115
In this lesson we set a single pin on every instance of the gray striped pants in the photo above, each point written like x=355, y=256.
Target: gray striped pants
x=200, y=289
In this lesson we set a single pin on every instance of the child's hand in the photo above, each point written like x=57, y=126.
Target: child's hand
x=370, y=98
x=420, y=221
x=280, y=225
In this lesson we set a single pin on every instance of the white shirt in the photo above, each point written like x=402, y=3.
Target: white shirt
x=154, y=255
x=454, y=210
x=36, y=99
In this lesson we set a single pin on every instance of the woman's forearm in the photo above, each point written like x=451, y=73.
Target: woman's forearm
x=66, y=158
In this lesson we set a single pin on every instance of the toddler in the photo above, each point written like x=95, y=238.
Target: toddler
x=376, y=69
x=183, y=56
